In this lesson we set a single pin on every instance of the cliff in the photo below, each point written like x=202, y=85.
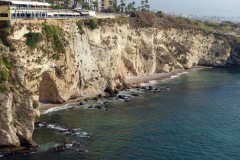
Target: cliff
x=72, y=59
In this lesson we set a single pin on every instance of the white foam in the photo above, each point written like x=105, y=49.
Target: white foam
x=82, y=134
x=149, y=83
x=68, y=145
x=153, y=82
x=178, y=75
x=41, y=125
x=56, y=109
x=52, y=126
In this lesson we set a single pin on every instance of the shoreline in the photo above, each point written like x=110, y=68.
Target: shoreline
x=134, y=82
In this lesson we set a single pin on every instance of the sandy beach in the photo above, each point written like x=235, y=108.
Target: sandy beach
x=135, y=81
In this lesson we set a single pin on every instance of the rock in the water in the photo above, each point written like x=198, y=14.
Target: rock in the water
x=59, y=148
x=80, y=103
x=91, y=106
x=121, y=96
x=135, y=95
x=82, y=150
x=68, y=142
x=99, y=107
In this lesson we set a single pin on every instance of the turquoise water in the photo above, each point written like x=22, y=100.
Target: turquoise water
x=199, y=118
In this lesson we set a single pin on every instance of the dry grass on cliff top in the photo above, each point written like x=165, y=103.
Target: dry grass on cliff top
x=141, y=19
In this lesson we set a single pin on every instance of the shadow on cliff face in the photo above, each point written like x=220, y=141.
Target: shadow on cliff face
x=48, y=90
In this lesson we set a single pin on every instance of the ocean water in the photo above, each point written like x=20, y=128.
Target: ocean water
x=198, y=118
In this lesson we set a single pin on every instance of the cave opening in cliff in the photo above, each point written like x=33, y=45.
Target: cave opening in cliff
x=48, y=91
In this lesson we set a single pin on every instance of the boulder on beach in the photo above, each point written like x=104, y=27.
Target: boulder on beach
x=121, y=96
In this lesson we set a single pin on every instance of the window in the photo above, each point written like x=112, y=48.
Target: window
x=3, y=15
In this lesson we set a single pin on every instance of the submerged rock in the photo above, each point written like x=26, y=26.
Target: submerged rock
x=60, y=148
x=135, y=95
x=82, y=150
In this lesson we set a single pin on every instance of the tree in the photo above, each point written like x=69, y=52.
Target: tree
x=130, y=7
x=133, y=4
x=87, y=6
x=142, y=5
x=77, y=1
x=122, y=4
x=95, y=3
x=110, y=2
x=159, y=14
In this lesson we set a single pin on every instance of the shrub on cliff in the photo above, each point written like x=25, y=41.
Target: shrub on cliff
x=5, y=65
x=4, y=33
x=54, y=35
x=33, y=39
x=80, y=28
x=35, y=104
x=159, y=14
x=4, y=60
x=92, y=24
x=56, y=57
x=3, y=88
x=4, y=75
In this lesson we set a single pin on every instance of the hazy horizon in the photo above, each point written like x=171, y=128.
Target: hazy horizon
x=196, y=7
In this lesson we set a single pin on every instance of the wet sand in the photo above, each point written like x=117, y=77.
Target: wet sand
x=136, y=81
x=45, y=106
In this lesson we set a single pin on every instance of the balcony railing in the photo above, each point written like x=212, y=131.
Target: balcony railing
x=51, y=17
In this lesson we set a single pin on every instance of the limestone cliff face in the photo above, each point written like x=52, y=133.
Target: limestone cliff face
x=100, y=58
x=16, y=106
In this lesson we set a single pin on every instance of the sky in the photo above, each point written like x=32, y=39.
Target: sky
x=197, y=7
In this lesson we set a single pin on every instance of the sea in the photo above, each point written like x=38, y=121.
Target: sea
x=192, y=116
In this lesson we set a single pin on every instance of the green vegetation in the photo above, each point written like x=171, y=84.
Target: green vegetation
x=15, y=124
x=33, y=39
x=4, y=60
x=86, y=84
x=60, y=7
x=159, y=14
x=4, y=33
x=92, y=24
x=4, y=75
x=54, y=35
x=35, y=104
x=80, y=27
x=56, y=57
x=3, y=89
